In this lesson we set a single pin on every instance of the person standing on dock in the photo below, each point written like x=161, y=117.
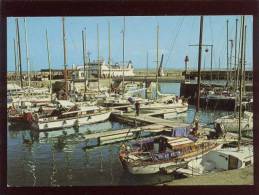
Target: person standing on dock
x=137, y=107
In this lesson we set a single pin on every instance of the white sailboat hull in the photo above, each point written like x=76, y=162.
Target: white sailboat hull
x=71, y=122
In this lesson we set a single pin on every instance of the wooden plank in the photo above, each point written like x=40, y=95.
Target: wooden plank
x=151, y=128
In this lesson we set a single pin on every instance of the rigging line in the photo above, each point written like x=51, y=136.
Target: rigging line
x=173, y=43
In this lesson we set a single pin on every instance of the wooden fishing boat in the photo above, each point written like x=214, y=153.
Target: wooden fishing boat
x=149, y=156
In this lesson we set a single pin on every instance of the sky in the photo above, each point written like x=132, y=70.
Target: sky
x=176, y=33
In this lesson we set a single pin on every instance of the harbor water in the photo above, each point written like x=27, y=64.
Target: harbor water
x=45, y=163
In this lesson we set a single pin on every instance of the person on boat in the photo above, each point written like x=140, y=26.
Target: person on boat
x=137, y=107
x=40, y=111
x=195, y=128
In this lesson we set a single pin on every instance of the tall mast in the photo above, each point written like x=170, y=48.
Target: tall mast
x=109, y=59
x=19, y=50
x=50, y=76
x=157, y=59
x=98, y=58
x=86, y=58
x=244, y=78
x=84, y=61
x=236, y=56
x=230, y=60
x=17, y=54
x=65, y=57
x=146, y=78
x=15, y=60
x=199, y=65
x=211, y=59
x=227, y=56
x=27, y=53
x=123, y=55
x=239, y=53
x=241, y=80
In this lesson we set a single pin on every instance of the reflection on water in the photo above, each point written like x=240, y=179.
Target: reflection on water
x=66, y=162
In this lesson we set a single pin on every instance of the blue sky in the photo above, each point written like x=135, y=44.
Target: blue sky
x=176, y=33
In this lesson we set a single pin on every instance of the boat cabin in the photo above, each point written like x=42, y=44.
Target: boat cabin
x=228, y=159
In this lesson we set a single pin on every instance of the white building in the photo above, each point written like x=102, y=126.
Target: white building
x=92, y=68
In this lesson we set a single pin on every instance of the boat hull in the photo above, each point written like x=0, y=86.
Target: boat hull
x=156, y=167
x=73, y=122
x=151, y=169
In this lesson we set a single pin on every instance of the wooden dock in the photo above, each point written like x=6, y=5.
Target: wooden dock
x=108, y=137
x=146, y=119
x=141, y=123
x=148, y=128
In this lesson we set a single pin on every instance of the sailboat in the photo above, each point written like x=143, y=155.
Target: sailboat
x=151, y=155
x=68, y=114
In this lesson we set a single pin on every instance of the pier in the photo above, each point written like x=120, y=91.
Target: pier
x=108, y=137
x=141, y=123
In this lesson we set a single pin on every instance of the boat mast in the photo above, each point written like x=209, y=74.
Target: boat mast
x=244, y=78
x=230, y=60
x=227, y=57
x=146, y=77
x=109, y=59
x=98, y=58
x=86, y=59
x=27, y=53
x=19, y=50
x=199, y=66
x=236, y=57
x=50, y=76
x=123, y=56
x=241, y=80
x=83, y=40
x=157, y=60
x=15, y=60
x=65, y=57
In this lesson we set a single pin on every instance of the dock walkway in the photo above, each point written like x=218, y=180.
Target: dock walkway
x=147, y=119
x=149, y=128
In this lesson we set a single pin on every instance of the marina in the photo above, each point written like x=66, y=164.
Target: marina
x=104, y=121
